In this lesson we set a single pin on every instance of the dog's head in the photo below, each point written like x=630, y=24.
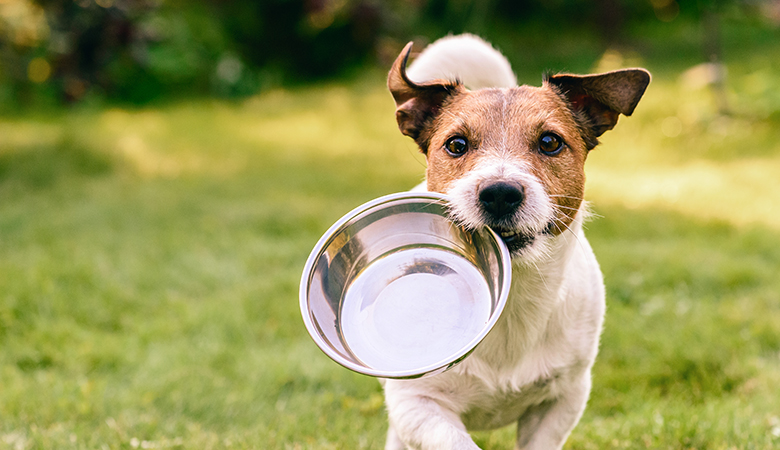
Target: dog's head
x=513, y=158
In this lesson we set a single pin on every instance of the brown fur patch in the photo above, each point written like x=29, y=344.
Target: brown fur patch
x=417, y=103
x=507, y=124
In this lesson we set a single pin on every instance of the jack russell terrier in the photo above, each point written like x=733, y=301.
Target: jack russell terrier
x=511, y=158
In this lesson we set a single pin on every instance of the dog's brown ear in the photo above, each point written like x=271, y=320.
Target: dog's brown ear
x=417, y=103
x=598, y=100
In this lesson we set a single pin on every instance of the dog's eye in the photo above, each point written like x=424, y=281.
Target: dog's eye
x=550, y=144
x=457, y=146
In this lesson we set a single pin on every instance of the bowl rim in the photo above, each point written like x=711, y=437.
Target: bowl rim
x=308, y=272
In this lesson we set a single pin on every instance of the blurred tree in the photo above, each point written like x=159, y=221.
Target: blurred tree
x=88, y=37
x=303, y=39
x=23, y=29
x=138, y=50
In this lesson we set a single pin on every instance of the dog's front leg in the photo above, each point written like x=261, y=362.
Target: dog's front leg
x=421, y=423
x=547, y=425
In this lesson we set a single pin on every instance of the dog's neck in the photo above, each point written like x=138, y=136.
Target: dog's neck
x=529, y=311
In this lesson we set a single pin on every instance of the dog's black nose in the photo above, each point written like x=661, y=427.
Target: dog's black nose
x=502, y=199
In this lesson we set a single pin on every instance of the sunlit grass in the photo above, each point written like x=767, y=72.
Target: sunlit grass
x=702, y=165
x=150, y=261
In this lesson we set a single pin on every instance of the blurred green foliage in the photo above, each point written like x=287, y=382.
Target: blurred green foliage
x=63, y=51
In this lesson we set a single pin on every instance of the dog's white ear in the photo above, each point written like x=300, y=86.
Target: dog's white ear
x=601, y=98
x=417, y=103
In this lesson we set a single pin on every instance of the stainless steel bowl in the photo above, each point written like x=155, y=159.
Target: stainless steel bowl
x=395, y=289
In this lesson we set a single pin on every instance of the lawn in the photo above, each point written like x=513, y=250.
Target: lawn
x=150, y=261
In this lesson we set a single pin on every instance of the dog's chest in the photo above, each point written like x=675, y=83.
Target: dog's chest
x=505, y=407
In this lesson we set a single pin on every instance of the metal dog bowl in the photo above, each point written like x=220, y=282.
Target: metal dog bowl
x=395, y=289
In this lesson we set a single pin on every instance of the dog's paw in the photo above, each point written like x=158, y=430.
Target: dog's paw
x=456, y=441
x=461, y=441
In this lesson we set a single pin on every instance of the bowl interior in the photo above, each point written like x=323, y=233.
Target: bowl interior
x=395, y=289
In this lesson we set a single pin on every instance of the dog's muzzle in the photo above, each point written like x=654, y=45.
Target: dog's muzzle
x=500, y=202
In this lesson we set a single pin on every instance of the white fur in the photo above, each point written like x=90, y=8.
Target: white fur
x=464, y=57
x=532, y=218
x=533, y=368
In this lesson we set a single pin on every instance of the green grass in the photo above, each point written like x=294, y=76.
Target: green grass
x=150, y=260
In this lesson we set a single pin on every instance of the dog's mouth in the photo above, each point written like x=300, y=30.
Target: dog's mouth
x=515, y=240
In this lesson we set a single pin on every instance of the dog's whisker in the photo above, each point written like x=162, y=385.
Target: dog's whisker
x=561, y=195
x=579, y=242
x=541, y=274
x=558, y=225
x=586, y=212
x=567, y=196
x=567, y=207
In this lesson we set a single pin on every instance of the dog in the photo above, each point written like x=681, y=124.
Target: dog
x=511, y=158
